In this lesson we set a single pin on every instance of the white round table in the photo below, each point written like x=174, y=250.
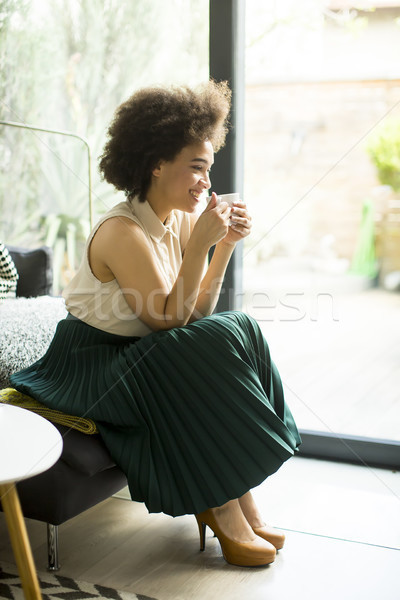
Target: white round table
x=29, y=445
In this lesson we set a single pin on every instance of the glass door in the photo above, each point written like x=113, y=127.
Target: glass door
x=322, y=268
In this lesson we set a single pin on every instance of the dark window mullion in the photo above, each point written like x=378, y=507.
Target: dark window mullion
x=227, y=51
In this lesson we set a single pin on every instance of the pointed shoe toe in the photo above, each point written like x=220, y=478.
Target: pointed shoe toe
x=271, y=535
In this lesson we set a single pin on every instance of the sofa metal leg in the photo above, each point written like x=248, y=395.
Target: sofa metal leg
x=52, y=547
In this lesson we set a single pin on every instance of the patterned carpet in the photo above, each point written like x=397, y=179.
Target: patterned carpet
x=56, y=587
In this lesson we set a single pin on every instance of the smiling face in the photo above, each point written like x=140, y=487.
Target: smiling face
x=178, y=184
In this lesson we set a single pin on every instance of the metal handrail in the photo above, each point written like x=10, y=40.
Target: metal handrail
x=69, y=134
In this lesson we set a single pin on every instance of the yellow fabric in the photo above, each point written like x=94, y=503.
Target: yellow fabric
x=12, y=396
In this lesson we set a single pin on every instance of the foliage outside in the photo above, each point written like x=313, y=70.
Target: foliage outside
x=384, y=150
x=66, y=65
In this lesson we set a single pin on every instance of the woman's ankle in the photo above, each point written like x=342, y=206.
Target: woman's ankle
x=232, y=522
x=250, y=511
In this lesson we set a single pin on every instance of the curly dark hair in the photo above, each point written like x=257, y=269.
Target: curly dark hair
x=155, y=124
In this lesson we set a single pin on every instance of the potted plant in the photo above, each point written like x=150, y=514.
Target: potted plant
x=384, y=151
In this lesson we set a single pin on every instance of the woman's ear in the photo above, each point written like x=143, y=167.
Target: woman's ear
x=157, y=170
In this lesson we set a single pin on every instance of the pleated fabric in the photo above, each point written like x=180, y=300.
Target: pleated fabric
x=195, y=416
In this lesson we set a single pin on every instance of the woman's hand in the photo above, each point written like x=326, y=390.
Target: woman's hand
x=213, y=224
x=240, y=224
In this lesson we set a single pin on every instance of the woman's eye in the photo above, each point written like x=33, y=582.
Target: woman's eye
x=200, y=169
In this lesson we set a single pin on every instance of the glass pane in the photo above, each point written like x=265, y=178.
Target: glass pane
x=322, y=268
x=66, y=65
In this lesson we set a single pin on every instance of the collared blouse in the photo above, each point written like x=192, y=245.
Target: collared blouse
x=103, y=305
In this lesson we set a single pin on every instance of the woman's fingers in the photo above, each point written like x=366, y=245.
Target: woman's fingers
x=240, y=226
x=224, y=210
x=245, y=220
x=240, y=220
x=241, y=216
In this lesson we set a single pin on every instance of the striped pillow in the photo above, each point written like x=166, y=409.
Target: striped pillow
x=8, y=274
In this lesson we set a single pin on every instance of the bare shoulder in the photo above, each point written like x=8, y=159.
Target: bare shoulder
x=116, y=239
x=119, y=228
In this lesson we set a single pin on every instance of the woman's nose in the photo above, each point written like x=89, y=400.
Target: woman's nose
x=206, y=181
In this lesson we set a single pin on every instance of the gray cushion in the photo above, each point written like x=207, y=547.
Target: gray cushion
x=27, y=328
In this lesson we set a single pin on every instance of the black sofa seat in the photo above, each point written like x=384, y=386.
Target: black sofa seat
x=84, y=475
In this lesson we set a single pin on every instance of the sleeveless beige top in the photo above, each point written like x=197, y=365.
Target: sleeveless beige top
x=102, y=305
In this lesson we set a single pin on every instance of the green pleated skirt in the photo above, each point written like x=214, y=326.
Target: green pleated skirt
x=195, y=416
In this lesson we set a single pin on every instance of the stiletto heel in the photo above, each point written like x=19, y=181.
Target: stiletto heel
x=256, y=553
x=202, y=533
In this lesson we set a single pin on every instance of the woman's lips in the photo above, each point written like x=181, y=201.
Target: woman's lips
x=195, y=195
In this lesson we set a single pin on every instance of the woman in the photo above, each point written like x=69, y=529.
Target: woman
x=188, y=403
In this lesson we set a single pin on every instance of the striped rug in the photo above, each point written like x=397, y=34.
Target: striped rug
x=56, y=587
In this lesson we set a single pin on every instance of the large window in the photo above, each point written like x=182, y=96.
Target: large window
x=322, y=269
x=66, y=65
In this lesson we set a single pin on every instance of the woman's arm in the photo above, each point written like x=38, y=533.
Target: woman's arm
x=122, y=248
x=211, y=284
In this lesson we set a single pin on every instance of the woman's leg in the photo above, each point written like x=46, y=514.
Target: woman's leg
x=250, y=510
x=257, y=524
x=233, y=523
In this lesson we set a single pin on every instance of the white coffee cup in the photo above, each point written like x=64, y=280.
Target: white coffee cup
x=229, y=198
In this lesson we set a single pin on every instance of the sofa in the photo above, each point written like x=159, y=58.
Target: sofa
x=85, y=474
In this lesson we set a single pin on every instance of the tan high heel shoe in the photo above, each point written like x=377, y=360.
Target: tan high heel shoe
x=270, y=534
x=256, y=553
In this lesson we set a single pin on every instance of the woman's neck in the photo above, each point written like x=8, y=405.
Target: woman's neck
x=158, y=205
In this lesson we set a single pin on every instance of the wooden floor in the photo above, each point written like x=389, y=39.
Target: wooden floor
x=339, y=358
x=329, y=554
